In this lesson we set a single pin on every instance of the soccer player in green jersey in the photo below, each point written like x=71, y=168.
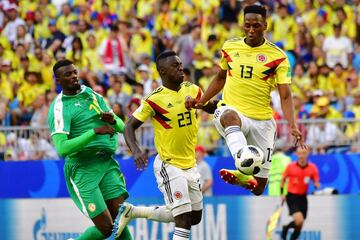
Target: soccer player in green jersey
x=83, y=129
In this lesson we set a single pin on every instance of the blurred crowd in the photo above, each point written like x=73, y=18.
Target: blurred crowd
x=114, y=44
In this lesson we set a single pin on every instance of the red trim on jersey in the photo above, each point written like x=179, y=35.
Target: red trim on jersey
x=198, y=96
x=159, y=114
x=272, y=67
x=275, y=63
x=228, y=59
x=226, y=56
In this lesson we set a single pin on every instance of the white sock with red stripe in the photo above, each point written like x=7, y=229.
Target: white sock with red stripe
x=181, y=234
x=235, y=139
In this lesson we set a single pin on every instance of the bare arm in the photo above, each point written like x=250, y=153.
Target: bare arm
x=216, y=85
x=350, y=58
x=317, y=184
x=282, y=184
x=140, y=156
x=288, y=110
x=207, y=184
x=211, y=106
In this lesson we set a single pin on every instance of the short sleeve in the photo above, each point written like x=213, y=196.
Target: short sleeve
x=223, y=62
x=59, y=120
x=143, y=111
x=103, y=105
x=283, y=72
x=286, y=172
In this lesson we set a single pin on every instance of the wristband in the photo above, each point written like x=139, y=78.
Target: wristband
x=281, y=190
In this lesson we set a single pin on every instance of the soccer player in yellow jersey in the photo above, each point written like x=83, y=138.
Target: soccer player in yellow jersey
x=175, y=140
x=251, y=67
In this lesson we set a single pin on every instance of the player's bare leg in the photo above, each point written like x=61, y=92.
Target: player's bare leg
x=235, y=139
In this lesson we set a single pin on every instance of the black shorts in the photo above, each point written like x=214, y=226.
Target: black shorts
x=297, y=203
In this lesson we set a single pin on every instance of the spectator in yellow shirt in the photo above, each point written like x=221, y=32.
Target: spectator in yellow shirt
x=9, y=76
x=141, y=41
x=323, y=109
x=324, y=79
x=6, y=89
x=208, y=72
x=207, y=134
x=66, y=16
x=204, y=53
x=167, y=20
x=77, y=56
x=284, y=28
x=301, y=83
x=347, y=23
x=26, y=95
x=97, y=30
x=339, y=80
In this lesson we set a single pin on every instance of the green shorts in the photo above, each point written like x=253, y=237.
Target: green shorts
x=92, y=179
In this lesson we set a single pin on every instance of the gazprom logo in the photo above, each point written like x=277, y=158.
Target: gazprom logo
x=40, y=232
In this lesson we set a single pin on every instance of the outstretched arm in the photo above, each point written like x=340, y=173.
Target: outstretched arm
x=216, y=85
x=211, y=106
x=288, y=110
x=140, y=156
x=214, y=88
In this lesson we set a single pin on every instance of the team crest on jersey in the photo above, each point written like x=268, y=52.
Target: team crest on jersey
x=92, y=207
x=177, y=195
x=261, y=58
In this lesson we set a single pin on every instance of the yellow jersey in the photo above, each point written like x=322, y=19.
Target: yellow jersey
x=175, y=126
x=252, y=73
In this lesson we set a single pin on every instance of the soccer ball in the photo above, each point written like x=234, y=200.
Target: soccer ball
x=249, y=160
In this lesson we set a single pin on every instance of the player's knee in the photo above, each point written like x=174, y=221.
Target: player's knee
x=299, y=222
x=183, y=220
x=196, y=217
x=258, y=191
x=260, y=188
x=230, y=118
x=106, y=230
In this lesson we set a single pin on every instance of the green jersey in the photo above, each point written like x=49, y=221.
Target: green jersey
x=76, y=114
x=279, y=163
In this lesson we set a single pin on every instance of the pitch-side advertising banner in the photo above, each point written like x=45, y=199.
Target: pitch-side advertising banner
x=224, y=218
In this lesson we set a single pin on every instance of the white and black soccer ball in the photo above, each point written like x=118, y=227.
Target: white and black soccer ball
x=249, y=160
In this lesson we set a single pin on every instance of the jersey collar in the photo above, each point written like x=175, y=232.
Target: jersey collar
x=82, y=89
x=306, y=165
x=254, y=47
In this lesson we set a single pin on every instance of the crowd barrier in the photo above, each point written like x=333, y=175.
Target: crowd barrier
x=224, y=218
x=45, y=179
x=345, y=139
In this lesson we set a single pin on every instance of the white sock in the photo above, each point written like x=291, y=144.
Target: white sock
x=141, y=212
x=161, y=214
x=235, y=139
x=181, y=234
x=158, y=213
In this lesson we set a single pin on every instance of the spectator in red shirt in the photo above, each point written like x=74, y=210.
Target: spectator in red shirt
x=298, y=175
